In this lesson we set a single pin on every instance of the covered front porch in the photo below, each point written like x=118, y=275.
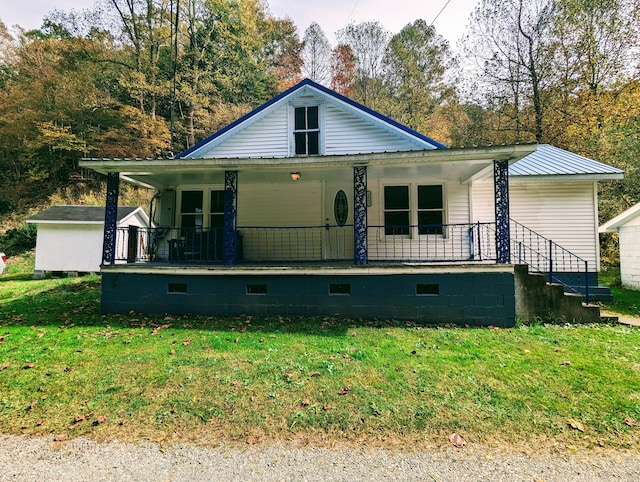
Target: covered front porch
x=376, y=208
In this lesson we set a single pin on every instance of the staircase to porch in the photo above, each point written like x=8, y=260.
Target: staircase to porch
x=556, y=264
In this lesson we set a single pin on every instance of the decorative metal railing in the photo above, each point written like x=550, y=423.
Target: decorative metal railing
x=549, y=258
x=261, y=244
x=432, y=243
x=472, y=242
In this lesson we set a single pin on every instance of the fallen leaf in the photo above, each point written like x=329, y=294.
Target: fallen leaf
x=457, y=440
x=174, y=410
x=40, y=422
x=306, y=402
x=60, y=437
x=173, y=352
x=79, y=418
x=33, y=404
x=100, y=419
x=315, y=374
x=252, y=440
x=326, y=406
x=187, y=342
x=575, y=424
x=344, y=390
x=566, y=363
x=29, y=365
x=4, y=366
x=630, y=422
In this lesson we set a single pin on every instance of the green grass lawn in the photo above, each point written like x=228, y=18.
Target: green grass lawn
x=67, y=370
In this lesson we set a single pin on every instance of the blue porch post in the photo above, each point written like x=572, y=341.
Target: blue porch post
x=501, y=188
x=360, y=253
x=229, y=236
x=110, y=218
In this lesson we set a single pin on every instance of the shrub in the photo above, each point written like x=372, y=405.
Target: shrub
x=18, y=240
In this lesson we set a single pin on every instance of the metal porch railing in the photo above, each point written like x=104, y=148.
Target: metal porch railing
x=545, y=256
x=260, y=244
x=467, y=242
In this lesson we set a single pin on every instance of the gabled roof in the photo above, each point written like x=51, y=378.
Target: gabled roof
x=620, y=220
x=81, y=214
x=552, y=161
x=308, y=85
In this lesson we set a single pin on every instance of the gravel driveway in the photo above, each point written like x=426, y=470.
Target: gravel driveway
x=41, y=459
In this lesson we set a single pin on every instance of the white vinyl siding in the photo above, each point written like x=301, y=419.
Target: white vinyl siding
x=562, y=211
x=630, y=256
x=268, y=137
x=344, y=133
x=348, y=134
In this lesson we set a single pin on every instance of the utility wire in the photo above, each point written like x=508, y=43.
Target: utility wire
x=441, y=10
x=352, y=10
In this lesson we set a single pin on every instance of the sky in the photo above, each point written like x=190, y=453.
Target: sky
x=331, y=15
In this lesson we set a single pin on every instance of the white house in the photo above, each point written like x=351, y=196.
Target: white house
x=70, y=237
x=627, y=225
x=314, y=204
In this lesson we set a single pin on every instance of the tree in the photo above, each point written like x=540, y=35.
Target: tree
x=343, y=69
x=368, y=43
x=316, y=55
x=509, y=41
x=415, y=64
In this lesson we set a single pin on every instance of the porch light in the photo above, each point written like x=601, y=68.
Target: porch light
x=295, y=176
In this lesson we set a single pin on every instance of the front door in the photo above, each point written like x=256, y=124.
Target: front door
x=338, y=239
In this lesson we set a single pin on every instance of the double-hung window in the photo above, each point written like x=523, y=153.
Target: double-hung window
x=193, y=212
x=306, y=131
x=396, y=210
x=406, y=206
x=430, y=209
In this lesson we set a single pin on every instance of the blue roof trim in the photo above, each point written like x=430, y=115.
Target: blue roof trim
x=325, y=90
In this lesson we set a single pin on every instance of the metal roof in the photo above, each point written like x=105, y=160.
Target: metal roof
x=78, y=214
x=553, y=161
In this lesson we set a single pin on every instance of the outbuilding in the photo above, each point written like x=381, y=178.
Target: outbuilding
x=70, y=237
x=627, y=225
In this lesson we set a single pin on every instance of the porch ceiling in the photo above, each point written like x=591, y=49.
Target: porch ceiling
x=461, y=164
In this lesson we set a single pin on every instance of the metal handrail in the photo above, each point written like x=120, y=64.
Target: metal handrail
x=545, y=256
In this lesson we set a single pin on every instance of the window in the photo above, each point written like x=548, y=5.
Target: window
x=428, y=205
x=396, y=210
x=191, y=209
x=216, y=209
x=306, y=131
x=430, y=210
x=196, y=212
x=341, y=208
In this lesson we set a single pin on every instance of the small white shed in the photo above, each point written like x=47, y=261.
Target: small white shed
x=627, y=225
x=70, y=237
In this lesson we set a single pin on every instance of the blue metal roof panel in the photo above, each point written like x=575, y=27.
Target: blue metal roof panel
x=551, y=161
x=325, y=90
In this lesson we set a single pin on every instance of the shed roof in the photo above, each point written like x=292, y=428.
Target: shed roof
x=548, y=160
x=620, y=220
x=79, y=214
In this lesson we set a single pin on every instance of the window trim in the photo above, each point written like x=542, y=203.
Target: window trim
x=292, y=123
x=413, y=208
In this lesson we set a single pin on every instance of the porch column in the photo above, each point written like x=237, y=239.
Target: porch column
x=229, y=235
x=501, y=188
x=111, y=219
x=360, y=254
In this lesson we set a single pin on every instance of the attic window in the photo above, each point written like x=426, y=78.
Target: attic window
x=306, y=131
